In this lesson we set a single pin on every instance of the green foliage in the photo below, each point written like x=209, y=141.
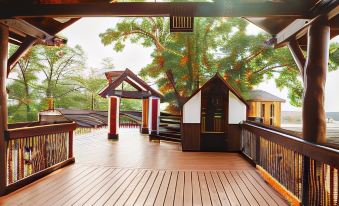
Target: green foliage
x=184, y=61
x=56, y=72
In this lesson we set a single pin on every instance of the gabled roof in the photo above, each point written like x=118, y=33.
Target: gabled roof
x=115, y=78
x=218, y=77
x=263, y=96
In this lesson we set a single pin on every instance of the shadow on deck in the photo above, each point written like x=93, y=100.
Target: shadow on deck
x=134, y=171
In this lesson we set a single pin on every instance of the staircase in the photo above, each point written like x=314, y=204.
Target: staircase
x=170, y=127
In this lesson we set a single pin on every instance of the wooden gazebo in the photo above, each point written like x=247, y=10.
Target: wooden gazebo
x=141, y=90
x=306, y=167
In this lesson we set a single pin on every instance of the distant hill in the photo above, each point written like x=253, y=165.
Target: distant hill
x=295, y=117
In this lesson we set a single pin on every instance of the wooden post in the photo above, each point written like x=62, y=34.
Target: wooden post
x=113, y=117
x=3, y=105
x=314, y=118
x=154, y=124
x=70, y=144
x=144, y=124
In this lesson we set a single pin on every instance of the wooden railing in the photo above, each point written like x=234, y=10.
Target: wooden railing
x=307, y=171
x=35, y=151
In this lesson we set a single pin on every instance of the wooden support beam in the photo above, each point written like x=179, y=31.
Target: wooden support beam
x=299, y=28
x=24, y=47
x=314, y=119
x=4, y=34
x=202, y=9
x=145, y=114
x=298, y=55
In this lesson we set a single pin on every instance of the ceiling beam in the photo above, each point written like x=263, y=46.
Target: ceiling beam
x=24, y=47
x=201, y=9
x=298, y=28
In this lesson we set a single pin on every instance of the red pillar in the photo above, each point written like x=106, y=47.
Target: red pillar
x=154, y=117
x=145, y=114
x=113, y=117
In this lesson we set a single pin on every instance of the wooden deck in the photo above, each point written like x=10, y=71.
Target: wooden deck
x=147, y=173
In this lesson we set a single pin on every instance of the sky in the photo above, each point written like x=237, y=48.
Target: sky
x=85, y=33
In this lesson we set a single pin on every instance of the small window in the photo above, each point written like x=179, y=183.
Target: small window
x=272, y=114
x=263, y=111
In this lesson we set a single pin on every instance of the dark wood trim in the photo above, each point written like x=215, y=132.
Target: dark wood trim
x=200, y=9
x=70, y=144
x=128, y=75
x=36, y=176
x=23, y=124
x=4, y=34
x=24, y=47
x=39, y=130
x=229, y=86
x=298, y=55
x=318, y=152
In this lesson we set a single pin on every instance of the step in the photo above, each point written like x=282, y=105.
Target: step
x=168, y=138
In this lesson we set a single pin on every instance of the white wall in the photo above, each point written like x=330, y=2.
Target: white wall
x=192, y=109
x=236, y=109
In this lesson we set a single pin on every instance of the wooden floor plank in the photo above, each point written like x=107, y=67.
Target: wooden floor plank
x=238, y=193
x=138, y=189
x=82, y=200
x=144, y=194
x=126, y=194
x=155, y=189
x=220, y=189
x=212, y=190
x=39, y=198
x=75, y=198
x=250, y=198
x=72, y=192
x=169, y=200
x=188, y=195
x=116, y=195
x=179, y=189
x=160, y=200
x=261, y=190
x=258, y=195
x=196, y=189
x=275, y=196
x=205, y=196
x=111, y=190
x=52, y=181
x=65, y=191
x=228, y=189
x=104, y=188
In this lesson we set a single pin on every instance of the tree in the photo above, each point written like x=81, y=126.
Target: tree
x=91, y=84
x=21, y=86
x=183, y=61
x=45, y=72
x=58, y=65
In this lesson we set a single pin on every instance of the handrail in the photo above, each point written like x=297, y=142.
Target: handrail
x=318, y=152
x=302, y=171
x=35, y=151
x=39, y=130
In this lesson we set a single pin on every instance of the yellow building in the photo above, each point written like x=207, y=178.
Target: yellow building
x=265, y=106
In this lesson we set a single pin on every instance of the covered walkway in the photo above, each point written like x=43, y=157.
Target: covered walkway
x=134, y=171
